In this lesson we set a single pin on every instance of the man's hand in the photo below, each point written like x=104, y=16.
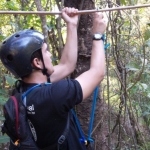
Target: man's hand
x=99, y=23
x=70, y=15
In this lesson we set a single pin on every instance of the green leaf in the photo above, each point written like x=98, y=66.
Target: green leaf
x=3, y=92
x=146, y=113
x=147, y=34
x=148, y=95
x=123, y=2
x=12, y=6
x=130, y=68
x=148, y=23
x=30, y=18
x=2, y=118
x=10, y=80
x=2, y=37
x=133, y=2
x=2, y=100
x=4, y=139
x=144, y=86
x=147, y=43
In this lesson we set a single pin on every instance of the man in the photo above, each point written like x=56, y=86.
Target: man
x=25, y=55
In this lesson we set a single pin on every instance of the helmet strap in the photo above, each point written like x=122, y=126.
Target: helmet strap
x=44, y=70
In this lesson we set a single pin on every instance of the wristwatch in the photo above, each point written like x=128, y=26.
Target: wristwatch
x=98, y=36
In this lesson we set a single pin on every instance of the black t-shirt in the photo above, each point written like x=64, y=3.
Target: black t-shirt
x=47, y=109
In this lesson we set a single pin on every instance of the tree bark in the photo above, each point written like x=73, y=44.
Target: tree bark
x=43, y=21
x=84, y=54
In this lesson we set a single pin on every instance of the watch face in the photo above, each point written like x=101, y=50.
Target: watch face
x=97, y=36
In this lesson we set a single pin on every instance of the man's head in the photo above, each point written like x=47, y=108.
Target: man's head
x=18, y=50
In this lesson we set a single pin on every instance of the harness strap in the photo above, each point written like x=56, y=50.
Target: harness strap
x=82, y=139
x=64, y=135
x=29, y=90
x=89, y=139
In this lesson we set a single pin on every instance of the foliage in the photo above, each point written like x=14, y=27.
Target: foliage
x=15, y=23
x=126, y=87
x=128, y=75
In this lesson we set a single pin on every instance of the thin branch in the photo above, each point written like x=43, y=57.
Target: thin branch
x=79, y=12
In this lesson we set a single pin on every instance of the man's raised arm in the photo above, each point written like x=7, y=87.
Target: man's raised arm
x=69, y=55
x=91, y=78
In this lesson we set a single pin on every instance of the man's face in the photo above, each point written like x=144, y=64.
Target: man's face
x=47, y=59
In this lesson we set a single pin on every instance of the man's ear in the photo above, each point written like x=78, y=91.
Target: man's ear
x=37, y=63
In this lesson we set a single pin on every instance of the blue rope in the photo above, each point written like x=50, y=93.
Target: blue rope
x=106, y=46
x=82, y=139
x=92, y=114
x=28, y=91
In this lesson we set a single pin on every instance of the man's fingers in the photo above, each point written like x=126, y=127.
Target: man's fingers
x=70, y=11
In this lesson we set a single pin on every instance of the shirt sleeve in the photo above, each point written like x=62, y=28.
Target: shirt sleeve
x=65, y=94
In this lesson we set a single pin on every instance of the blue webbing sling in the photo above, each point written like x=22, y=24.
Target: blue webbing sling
x=89, y=139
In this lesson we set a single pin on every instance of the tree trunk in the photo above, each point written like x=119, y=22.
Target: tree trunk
x=84, y=54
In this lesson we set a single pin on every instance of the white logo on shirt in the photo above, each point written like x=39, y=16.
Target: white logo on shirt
x=30, y=109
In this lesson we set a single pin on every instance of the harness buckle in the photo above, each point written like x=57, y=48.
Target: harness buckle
x=17, y=142
x=61, y=139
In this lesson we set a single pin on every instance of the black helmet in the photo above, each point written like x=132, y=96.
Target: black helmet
x=16, y=51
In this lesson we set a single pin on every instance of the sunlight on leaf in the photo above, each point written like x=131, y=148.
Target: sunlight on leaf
x=133, y=69
x=148, y=95
x=146, y=113
x=4, y=139
x=144, y=86
x=11, y=80
x=123, y=2
x=2, y=118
